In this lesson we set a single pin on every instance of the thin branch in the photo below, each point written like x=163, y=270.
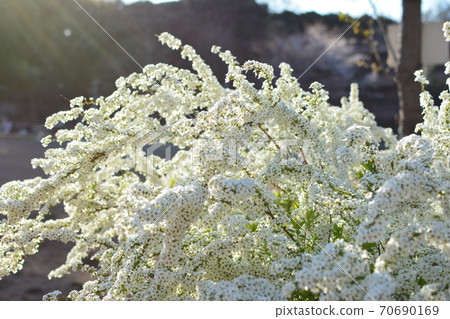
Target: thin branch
x=269, y=137
x=329, y=231
x=278, y=147
x=282, y=227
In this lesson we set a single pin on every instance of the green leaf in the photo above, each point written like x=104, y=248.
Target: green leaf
x=337, y=231
x=252, y=227
x=360, y=174
x=310, y=217
x=370, y=166
x=304, y=295
x=296, y=223
x=420, y=281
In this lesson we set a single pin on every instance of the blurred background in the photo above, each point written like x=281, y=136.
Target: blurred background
x=52, y=51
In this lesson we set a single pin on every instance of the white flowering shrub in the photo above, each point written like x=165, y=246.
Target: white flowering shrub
x=273, y=194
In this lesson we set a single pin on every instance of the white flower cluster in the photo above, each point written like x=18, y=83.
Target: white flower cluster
x=332, y=272
x=273, y=193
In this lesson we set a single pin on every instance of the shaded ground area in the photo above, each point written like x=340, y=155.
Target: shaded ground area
x=32, y=282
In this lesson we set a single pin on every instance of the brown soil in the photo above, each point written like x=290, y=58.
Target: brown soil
x=31, y=283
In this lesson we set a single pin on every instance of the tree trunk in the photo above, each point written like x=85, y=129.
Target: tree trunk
x=410, y=112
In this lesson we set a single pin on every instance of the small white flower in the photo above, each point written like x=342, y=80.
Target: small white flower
x=447, y=68
x=420, y=77
x=446, y=29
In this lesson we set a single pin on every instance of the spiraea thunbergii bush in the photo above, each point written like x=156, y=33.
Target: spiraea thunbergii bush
x=273, y=194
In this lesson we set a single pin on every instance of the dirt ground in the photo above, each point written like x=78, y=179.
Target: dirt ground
x=31, y=283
